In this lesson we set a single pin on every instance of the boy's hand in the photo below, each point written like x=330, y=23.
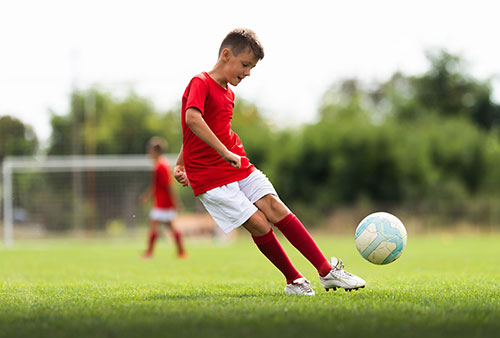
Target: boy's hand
x=144, y=198
x=180, y=175
x=232, y=158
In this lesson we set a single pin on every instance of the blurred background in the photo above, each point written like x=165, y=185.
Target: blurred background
x=357, y=107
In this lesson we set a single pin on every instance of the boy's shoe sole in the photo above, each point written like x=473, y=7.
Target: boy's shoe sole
x=335, y=288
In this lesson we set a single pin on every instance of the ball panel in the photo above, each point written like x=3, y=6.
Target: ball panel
x=396, y=251
x=365, y=238
x=381, y=252
x=361, y=228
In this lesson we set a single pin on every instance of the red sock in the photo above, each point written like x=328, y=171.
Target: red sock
x=151, y=242
x=272, y=249
x=178, y=242
x=295, y=232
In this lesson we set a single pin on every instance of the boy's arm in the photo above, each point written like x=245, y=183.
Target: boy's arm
x=179, y=170
x=195, y=122
x=146, y=195
x=171, y=191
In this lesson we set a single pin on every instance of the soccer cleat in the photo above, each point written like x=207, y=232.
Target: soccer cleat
x=147, y=255
x=339, y=278
x=300, y=286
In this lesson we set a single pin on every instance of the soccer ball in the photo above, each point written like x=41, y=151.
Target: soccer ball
x=380, y=238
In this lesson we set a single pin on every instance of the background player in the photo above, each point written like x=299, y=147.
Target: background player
x=161, y=190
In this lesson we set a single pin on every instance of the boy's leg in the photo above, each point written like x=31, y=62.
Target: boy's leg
x=268, y=244
x=332, y=276
x=178, y=238
x=231, y=208
x=152, y=237
x=261, y=192
x=294, y=231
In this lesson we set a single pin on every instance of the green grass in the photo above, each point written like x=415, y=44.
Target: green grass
x=441, y=286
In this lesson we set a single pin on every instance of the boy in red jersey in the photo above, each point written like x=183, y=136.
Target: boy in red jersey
x=164, y=210
x=213, y=161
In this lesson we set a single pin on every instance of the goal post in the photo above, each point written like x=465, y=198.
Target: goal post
x=54, y=173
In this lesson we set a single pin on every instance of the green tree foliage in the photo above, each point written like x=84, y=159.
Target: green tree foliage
x=428, y=138
x=255, y=132
x=101, y=124
x=446, y=90
x=16, y=138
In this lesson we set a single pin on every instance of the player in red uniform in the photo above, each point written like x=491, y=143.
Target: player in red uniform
x=164, y=210
x=213, y=161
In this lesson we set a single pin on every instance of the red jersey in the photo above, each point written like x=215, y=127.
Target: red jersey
x=205, y=168
x=161, y=184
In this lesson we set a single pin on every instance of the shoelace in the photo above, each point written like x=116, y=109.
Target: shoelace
x=305, y=286
x=340, y=268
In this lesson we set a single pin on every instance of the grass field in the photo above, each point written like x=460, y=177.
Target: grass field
x=442, y=286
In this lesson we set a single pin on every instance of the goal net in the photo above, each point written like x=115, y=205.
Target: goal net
x=77, y=193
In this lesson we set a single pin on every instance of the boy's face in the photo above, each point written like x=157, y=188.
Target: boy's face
x=153, y=154
x=238, y=66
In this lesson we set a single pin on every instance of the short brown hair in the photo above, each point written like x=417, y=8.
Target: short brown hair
x=241, y=38
x=157, y=144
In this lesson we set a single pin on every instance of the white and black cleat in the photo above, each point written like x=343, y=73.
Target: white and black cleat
x=339, y=278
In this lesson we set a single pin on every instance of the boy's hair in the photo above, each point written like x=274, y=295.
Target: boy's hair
x=157, y=144
x=241, y=38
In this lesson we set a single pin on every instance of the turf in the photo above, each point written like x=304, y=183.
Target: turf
x=442, y=286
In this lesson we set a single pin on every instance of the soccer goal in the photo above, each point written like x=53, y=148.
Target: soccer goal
x=65, y=193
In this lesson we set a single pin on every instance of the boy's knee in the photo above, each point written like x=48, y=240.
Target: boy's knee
x=257, y=224
x=273, y=208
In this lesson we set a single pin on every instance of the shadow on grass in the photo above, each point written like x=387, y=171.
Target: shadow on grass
x=208, y=296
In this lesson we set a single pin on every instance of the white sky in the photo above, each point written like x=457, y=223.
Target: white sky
x=155, y=47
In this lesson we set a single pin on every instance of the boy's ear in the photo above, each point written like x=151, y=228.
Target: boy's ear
x=225, y=55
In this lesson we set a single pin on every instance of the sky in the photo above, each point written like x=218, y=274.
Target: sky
x=154, y=47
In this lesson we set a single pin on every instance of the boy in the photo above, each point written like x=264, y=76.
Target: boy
x=161, y=190
x=213, y=161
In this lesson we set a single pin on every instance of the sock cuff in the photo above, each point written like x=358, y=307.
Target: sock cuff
x=325, y=268
x=260, y=240
x=285, y=221
x=290, y=281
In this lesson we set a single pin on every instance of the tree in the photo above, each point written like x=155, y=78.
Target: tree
x=256, y=133
x=101, y=124
x=16, y=138
x=408, y=139
x=446, y=89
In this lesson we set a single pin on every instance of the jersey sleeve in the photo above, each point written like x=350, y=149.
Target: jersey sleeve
x=197, y=95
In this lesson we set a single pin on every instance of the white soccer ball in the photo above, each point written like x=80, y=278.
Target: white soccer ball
x=380, y=238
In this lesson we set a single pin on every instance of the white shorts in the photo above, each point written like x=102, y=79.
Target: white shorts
x=162, y=215
x=232, y=204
